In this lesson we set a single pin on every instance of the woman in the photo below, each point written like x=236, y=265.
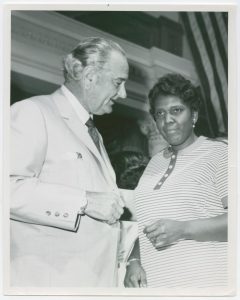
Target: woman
x=181, y=199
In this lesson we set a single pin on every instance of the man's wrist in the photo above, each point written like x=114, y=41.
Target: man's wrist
x=84, y=207
x=133, y=259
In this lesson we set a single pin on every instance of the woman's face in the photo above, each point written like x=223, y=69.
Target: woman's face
x=174, y=120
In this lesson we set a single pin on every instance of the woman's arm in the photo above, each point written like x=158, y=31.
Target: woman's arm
x=135, y=274
x=210, y=229
x=165, y=232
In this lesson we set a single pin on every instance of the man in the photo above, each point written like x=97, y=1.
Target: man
x=65, y=204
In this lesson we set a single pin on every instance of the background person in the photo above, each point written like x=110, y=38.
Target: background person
x=65, y=204
x=181, y=199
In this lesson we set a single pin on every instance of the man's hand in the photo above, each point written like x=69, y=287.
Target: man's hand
x=135, y=275
x=104, y=206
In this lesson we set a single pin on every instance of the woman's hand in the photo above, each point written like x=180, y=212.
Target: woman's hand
x=135, y=275
x=164, y=232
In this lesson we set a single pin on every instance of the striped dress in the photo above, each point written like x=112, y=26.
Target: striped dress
x=190, y=184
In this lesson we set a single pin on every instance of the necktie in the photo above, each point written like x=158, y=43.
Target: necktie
x=93, y=133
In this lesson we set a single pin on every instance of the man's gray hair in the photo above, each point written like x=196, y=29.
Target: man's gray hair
x=92, y=51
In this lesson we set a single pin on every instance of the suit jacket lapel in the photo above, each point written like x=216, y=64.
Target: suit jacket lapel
x=81, y=132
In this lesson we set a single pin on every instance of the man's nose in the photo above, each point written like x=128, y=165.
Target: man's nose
x=122, y=91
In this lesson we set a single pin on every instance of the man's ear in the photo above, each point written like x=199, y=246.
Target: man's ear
x=89, y=76
x=76, y=71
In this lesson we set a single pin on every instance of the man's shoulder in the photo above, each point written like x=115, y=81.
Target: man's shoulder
x=35, y=102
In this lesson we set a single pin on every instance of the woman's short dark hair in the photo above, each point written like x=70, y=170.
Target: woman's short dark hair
x=175, y=85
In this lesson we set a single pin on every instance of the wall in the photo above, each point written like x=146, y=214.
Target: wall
x=41, y=38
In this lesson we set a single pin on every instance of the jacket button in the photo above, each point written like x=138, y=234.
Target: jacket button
x=57, y=214
x=79, y=155
x=65, y=215
x=48, y=213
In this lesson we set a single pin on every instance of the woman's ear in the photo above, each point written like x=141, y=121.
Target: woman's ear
x=194, y=117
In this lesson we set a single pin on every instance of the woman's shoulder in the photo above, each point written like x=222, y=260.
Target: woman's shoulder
x=156, y=160
x=221, y=140
x=217, y=143
x=159, y=155
x=214, y=149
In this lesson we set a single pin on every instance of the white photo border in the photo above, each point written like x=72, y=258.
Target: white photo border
x=233, y=125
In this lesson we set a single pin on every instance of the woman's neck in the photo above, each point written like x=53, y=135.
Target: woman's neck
x=185, y=144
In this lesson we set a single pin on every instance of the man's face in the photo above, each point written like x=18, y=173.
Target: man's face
x=109, y=86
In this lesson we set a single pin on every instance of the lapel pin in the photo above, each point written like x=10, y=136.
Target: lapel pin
x=79, y=155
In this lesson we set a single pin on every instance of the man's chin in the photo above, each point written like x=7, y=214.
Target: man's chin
x=108, y=109
x=105, y=110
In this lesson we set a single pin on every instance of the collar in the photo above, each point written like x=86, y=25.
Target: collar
x=167, y=152
x=192, y=146
x=81, y=112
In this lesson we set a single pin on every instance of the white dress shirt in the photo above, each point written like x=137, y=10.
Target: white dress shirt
x=77, y=106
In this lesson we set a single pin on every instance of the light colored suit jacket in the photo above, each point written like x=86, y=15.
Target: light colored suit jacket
x=54, y=161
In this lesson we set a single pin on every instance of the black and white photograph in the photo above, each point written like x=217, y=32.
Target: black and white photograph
x=120, y=150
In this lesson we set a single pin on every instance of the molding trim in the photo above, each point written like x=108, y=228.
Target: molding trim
x=40, y=39
x=38, y=35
